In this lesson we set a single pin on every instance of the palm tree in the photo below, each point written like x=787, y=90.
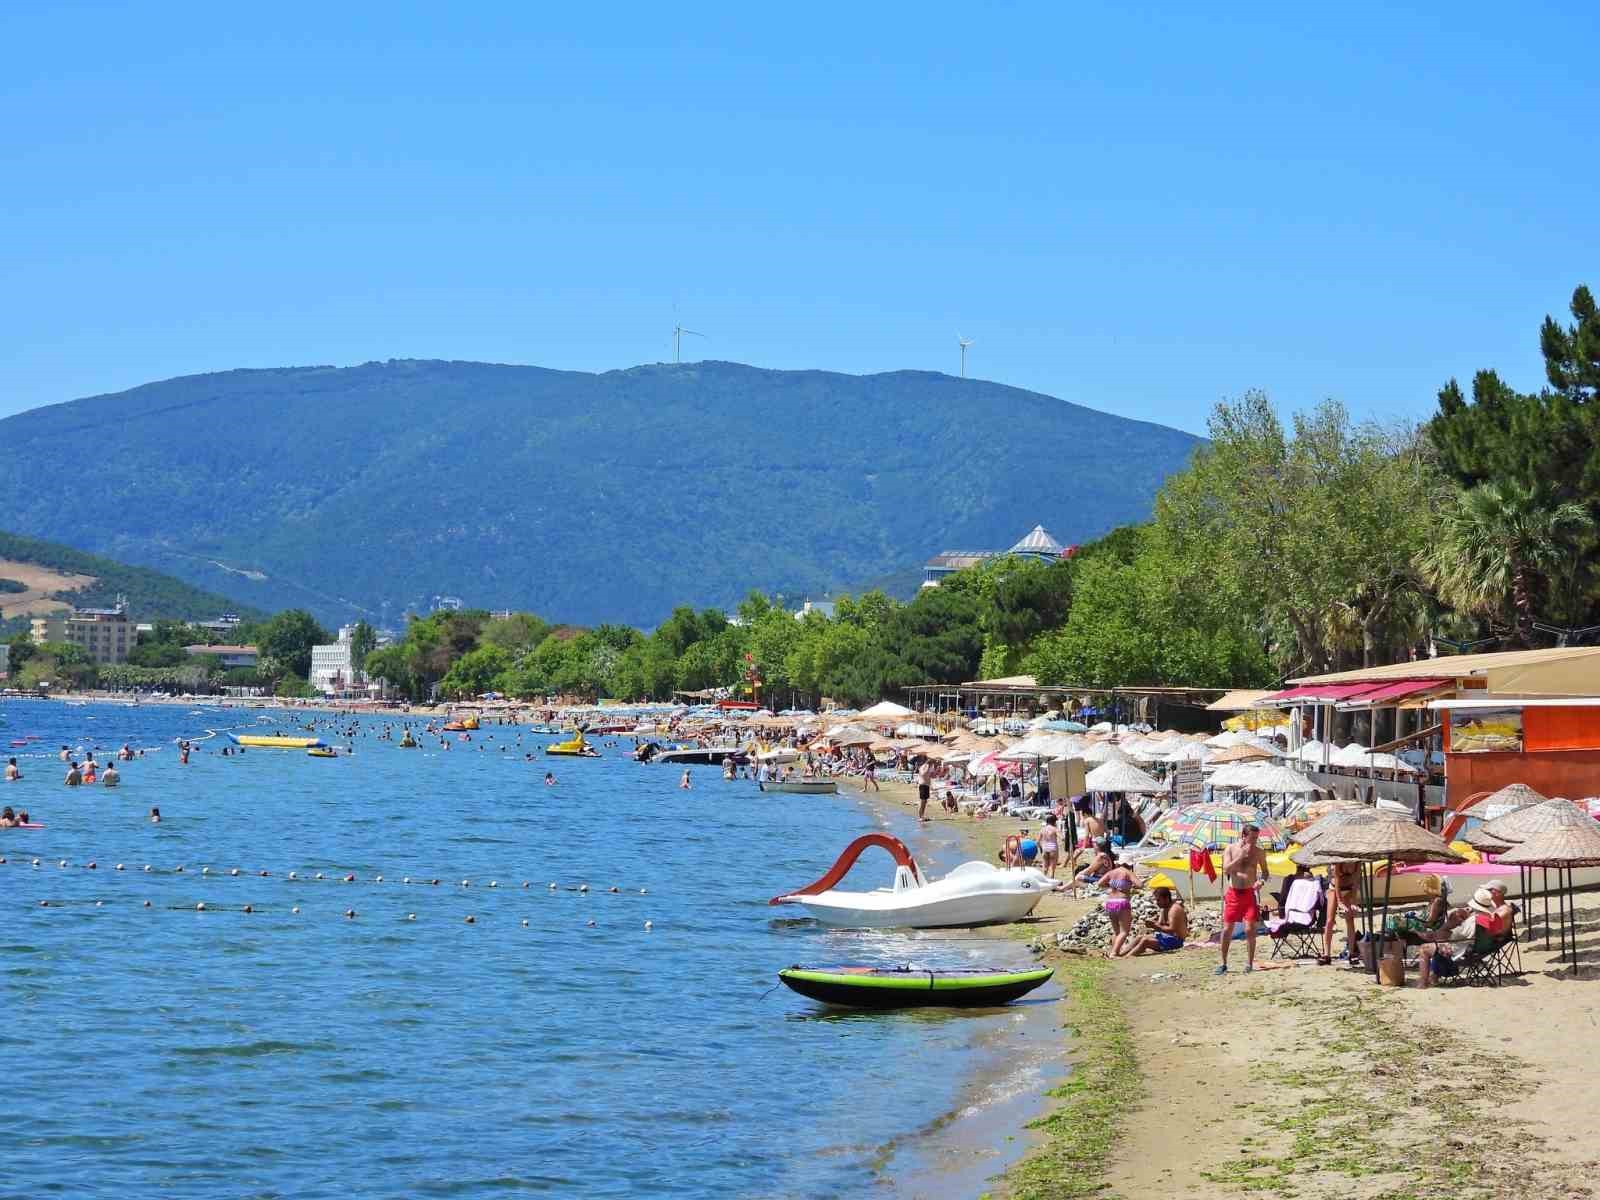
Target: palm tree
x=1497, y=547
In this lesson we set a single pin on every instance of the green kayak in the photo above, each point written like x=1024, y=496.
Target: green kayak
x=911, y=987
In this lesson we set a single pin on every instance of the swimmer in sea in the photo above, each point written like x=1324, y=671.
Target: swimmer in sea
x=549, y=779
x=684, y=782
x=155, y=816
x=12, y=773
x=8, y=819
x=74, y=776
x=110, y=777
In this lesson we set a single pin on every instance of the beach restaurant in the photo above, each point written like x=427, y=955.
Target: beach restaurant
x=1518, y=716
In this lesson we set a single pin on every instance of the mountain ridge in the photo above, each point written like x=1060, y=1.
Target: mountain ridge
x=586, y=496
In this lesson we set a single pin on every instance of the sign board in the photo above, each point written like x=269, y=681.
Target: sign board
x=1066, y=778
x=1188, y=787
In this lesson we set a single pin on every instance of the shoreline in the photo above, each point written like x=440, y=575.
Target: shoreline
x=975, y=1148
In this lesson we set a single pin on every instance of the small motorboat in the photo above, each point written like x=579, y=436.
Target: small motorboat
x=322, y=752
x=705, y=756
x=278, y=741
x=819, y=786
x=975, y=893
x=912, y=987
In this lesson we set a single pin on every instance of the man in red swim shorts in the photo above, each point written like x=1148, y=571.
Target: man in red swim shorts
x=1244, y=869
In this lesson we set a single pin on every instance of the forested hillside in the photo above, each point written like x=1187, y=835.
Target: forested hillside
x=150, y=594
x=367, y=491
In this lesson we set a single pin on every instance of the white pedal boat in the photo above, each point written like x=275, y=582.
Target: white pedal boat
x=975, y=893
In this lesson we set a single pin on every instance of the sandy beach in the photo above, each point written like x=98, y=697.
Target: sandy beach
x=1305, y=1081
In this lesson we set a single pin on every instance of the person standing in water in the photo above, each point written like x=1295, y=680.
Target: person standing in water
x=684, y=782
x=13, y=774
x=110, y=777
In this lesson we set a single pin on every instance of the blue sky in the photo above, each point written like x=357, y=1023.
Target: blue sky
x=1142, y=210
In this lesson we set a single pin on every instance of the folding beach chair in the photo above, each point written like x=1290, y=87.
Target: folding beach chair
x=1298, y=932
x=1491, y=960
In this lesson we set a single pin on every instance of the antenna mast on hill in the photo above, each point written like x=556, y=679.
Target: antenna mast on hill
x=963, y=343
x=677, y=341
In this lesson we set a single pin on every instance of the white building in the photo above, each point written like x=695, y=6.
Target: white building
x=332, y=666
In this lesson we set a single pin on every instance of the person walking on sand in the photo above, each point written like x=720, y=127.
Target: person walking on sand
x=924, y=788
x=1244, y=866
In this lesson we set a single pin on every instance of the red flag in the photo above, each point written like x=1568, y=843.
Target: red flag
x=1200, y=860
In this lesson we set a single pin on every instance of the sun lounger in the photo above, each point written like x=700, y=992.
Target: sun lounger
x=1298, y=932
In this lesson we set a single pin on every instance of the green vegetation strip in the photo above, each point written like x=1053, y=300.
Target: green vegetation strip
x=1105, y=1079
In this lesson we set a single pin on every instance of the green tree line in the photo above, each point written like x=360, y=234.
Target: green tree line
x=1284, y=548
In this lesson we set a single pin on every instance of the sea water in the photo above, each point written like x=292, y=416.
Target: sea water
x=553, y=1045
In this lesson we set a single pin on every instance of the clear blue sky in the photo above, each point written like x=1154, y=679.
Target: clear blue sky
x=1139, y=210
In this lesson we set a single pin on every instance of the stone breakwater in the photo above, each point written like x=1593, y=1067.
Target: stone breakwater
x=1093, y=931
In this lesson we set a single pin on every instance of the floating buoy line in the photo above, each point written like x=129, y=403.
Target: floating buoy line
x=346, y=878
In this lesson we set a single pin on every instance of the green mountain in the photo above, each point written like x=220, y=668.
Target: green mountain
x=370, y=490
x=34, y=574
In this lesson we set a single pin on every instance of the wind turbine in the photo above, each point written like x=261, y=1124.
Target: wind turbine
x=963, y=343
x=677, y=341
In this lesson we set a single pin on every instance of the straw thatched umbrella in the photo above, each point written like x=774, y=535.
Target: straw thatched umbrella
x=1234, y=754
x=1515, y=795
x=1388, y=838
x=1523, y=823
x=1563, y=848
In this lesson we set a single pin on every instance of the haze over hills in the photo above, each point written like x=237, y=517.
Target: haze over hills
x=369, y=490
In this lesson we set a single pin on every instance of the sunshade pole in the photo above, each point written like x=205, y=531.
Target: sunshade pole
x=1547, y=908
x=1388, y=881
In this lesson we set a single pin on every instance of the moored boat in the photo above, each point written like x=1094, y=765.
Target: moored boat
x=912, y=987
x=805, y=786
x=705, y=756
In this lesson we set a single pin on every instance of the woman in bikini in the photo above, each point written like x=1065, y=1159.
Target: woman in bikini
x=1049, y=846
x=1343, y=896
x=1119, y=882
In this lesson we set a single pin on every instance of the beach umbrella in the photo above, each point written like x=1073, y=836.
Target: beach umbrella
x=1188, y=752
x=1029, y=749
x=886, y=710
x=1388, y=838
x=1227, y=739
x=1121, y=777
x=1563, y=847
x=850, y=735
x=915, y=729
x=1239, y=754
x=1217, y=824
x=1280, y=781
x=1525, y=822
x=1508, y=799
x=1521, y=824
x=1106, y=752
x=1058, y=725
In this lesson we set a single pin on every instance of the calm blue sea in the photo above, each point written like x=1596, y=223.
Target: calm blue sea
x=167, y=1051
